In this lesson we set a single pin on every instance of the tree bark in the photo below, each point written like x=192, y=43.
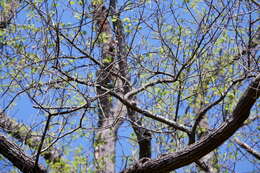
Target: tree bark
x=18, y=158
x=208, y=161
x=208, y=143
x=105, y=141
x=8, y=13
x=144, y=136
x=25, y=135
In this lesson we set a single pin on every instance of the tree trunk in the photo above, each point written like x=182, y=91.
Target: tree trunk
x=105, y=141
x=144, y=136
x=109, y=114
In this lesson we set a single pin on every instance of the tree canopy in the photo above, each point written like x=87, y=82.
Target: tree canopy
x=129, y=86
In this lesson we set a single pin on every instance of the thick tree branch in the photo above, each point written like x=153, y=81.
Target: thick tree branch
x=17, y=157
x=24, y=134
x=203, y=111
x=208, y=143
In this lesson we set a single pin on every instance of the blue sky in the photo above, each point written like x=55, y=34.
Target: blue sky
x=25, y=112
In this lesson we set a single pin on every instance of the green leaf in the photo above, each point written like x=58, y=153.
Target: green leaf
x=72, y=2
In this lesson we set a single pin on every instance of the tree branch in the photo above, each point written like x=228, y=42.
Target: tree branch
x=208, y=143
x=143, y=135
x=24, y=134
x=203, y=111
x=18, y=158
x=250, y=150
x=147, y=113
x=150, y=84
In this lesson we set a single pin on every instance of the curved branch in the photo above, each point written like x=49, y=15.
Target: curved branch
x=147, y=113
x=150, y=84
x=208, y=143
x=18, y=158
x=24, y=134
x=203, y=111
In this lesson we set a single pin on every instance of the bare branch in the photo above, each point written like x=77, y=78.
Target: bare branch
x=147, y=113
x=250, y=150
x=150, y=84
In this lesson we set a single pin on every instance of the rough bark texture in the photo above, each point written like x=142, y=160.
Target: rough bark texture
x=208, y=161
x=105, y=142
x=7, y=13
x=208, y=143
x=110, y=114
x=18, y=158
x=143, y=136
x=25, y=135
